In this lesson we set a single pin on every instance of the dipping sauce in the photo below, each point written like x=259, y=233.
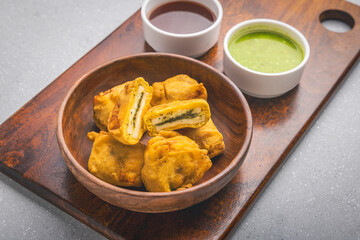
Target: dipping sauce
x=266, y=52
x=182, y=17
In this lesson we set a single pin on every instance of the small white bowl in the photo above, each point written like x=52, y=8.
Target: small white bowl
x=192, y=44
x=258, y=84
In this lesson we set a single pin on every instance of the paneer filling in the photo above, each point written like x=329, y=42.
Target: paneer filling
x=135, y=121
x=180, y=117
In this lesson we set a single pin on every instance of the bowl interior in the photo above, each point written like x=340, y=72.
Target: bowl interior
x=226, y=102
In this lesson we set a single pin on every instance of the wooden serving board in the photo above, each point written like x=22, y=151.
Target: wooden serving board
x=29, y=151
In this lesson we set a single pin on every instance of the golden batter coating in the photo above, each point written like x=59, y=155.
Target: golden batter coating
x=175, y=115
x=173, y=162
x=180, y=87
x=207, y=137
x=114, y=162
x=104, y=103
x=126, y=119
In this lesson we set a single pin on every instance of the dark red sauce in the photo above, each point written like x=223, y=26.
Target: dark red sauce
x=182, y=17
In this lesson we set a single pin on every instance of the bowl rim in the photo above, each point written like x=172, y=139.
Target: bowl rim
x=290, y=28
x=182, y=35
x=128, y=192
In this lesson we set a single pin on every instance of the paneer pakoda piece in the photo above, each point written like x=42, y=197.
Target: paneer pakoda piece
x=173, y=162
x=104, y=103
x=114, y=162
x=126, y=119
x=178, y=114
x=180, y=87
x=207, y=137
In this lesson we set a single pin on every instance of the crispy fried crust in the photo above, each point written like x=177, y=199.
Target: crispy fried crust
x=104, y=103
x=178, y=114
x=114, y=162
x=207, y=137
x=126, y=119
x=180, y=87
x=173, y=162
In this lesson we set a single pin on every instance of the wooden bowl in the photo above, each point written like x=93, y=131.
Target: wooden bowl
x=229, y=109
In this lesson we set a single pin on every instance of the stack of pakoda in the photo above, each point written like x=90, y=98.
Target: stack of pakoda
x=175, y=113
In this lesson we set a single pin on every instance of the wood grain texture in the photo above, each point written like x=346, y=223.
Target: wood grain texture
x=33, y=158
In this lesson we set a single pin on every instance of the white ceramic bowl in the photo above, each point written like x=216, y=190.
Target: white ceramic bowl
x=258, y=84
x=192, y=44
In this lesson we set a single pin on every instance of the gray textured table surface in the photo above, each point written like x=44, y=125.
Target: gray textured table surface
x=315, y=195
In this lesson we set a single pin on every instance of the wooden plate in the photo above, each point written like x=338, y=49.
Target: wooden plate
x=230, y=113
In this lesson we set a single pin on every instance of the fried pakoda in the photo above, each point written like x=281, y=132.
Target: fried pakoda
x=126, y=119
x=181, y=87
x=114, y=162
x=207, y=137
x=173, y=162
x=178, y=114
x=104, y=103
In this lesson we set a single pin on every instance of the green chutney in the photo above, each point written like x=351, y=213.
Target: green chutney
x=266, y=52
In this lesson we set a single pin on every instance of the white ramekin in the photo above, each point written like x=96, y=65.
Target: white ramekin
x=258, y=84
x=192, y=44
